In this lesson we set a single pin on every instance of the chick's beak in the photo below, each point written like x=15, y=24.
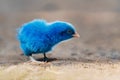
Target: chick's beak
x=76, y=35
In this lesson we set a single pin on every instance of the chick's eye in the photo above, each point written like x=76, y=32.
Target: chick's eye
x=69, y=31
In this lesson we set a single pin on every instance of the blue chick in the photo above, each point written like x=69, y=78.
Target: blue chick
x=39, y=36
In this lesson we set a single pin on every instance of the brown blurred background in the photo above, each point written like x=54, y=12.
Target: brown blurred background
x=97, y=21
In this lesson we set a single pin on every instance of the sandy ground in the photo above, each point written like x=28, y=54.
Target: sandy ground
x=72, y=71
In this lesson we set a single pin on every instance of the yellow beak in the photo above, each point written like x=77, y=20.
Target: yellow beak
x=76, y=35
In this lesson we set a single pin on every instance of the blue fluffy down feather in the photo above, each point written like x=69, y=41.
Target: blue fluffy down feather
x=39, y=36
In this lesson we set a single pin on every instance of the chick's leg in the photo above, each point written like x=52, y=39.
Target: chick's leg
x=45, y=58
x=33, y=60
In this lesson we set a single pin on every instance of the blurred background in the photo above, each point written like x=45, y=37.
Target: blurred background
x=97, y=21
